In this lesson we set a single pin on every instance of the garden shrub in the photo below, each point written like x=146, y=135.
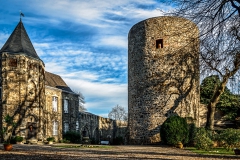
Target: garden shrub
x=118, y=140
x=64, y=141
x=73, y=137
x=18, y=139
x=94, y=141
x=51, y=139
x=174, y=130
x=230, y=138
x=202, y=139
x=192, y=132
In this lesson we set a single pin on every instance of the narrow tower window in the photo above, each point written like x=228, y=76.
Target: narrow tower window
x=159, y=43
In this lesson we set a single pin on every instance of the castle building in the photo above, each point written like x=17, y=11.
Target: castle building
x=163, y=75
x=40, y=102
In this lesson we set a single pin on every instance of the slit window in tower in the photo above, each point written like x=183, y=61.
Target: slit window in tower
x=159, y=43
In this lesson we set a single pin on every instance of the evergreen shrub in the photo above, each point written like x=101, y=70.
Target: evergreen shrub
x=18, y=139
x=73, y=137
x=202, y=139
x=192, y=131
x=174, y=130
x=52, y=139
x=230, y=138
x=118, y=140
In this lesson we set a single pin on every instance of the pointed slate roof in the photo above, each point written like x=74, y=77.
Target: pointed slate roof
x=56, y=81
x=19, y=42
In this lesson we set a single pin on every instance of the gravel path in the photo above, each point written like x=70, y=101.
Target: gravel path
x=37, y=152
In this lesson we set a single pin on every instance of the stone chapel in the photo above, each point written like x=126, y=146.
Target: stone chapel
x=40, y=102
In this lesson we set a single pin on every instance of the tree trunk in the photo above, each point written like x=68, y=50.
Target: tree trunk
x=212, y=105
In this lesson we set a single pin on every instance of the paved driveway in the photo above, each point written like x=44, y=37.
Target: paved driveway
x=37, y=152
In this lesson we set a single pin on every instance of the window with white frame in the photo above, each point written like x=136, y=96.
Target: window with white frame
x=77, y=125
x=65, y=106
x=66, y=127
x=55, y=128
x=54, y=103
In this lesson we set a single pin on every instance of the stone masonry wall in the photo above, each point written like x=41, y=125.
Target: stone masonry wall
x=70, y=113
x=22, y=82
x=52, y=116
x=99, y=128
x=163, y=75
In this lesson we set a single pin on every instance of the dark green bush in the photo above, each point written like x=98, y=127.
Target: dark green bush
x=64, y=141
x=192, y=131
x=174, y=130
x=202, y=139
x=230, y=138
x=73, y=137
x=93, y=141
x=18, y=139
x=118, y=140
x=52, y=139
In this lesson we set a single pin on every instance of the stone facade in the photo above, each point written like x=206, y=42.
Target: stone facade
x=53, y=115
x=40, y=102
x=23, y=93
x=33, y=97
x=98, y=128
x=163, y=75
x=70, y=108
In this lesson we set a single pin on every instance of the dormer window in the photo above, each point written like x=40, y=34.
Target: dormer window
x=159, y=43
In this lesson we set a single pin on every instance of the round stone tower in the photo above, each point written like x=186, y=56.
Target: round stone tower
x=163, y=75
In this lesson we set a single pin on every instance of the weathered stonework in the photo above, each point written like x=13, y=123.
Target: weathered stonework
x=98, y=128
x=70, y=114
x=40, y=102
x=163, y=75
x=30, y=95
x=23, y=93
x=52, y=116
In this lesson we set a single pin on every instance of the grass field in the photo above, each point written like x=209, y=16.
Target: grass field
x=217, y=150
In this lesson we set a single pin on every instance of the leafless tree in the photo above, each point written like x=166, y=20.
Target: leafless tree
x=219, y=25
x=118, y=113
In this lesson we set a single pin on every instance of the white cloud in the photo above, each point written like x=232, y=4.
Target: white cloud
x=103, y=96
x=118, y=41
x=92, y=12
x=96, y=63
x=83, y=75
x=54, y=67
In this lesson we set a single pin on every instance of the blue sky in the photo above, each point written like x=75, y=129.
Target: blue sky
x=84, y=41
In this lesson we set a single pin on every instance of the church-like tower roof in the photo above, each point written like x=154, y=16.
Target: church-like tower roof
x=19, y=42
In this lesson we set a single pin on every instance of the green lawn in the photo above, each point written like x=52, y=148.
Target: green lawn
x=218, y=150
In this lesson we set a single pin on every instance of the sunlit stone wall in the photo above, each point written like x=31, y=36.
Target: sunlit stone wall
x=163, y=75
x=22, y=93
